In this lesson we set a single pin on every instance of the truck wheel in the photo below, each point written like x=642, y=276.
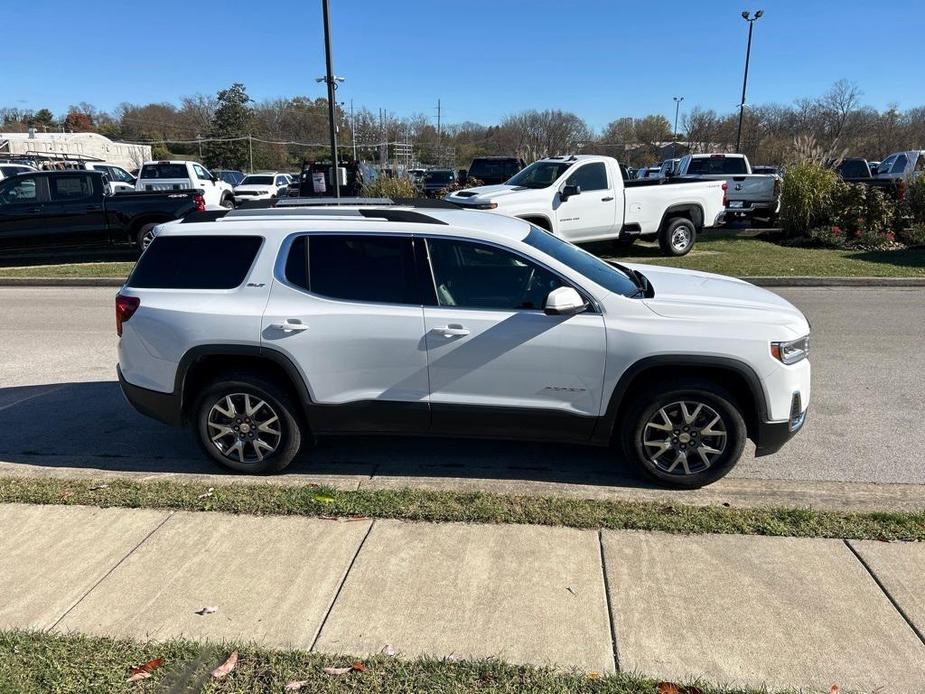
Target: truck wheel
x=247, y=424
x=677, y=237
x=145, y=236
x=686, y=434
x=227, y=203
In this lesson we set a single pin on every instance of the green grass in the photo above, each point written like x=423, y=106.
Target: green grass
x=118, y=270
x=46, y=663
x=478, y=507
x=740, y=256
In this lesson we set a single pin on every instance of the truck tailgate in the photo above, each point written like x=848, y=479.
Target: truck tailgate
x=155, y=184
x=751, y=188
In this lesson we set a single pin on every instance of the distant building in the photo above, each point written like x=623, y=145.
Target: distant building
x=63, y=146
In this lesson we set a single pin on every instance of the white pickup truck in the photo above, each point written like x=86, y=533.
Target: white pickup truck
x=185, y=175
x=748, y=195
x=585, y=198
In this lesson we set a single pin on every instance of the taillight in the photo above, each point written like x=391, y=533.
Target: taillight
x=200, y=202
x=125, y=309
x=725, y=199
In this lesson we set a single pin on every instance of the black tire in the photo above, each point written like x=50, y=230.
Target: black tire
x=144, y=236
x=666, y=397
x=235, y=386
x=227, y=202
x=670, y=237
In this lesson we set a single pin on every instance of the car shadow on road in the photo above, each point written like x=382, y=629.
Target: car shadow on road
x=90, y=426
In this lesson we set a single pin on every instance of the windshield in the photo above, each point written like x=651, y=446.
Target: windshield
x=582, y=262
x=438, y=176
x=540, y=174
x=257, y=181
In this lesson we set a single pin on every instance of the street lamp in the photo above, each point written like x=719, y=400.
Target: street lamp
x=677, y=109
x=748, y=52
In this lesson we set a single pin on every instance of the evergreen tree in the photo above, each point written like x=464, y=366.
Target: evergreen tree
x=232, y=119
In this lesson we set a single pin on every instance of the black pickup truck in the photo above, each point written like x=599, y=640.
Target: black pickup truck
x=73, y=211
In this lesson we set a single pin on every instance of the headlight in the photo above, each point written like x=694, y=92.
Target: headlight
x=791, y=352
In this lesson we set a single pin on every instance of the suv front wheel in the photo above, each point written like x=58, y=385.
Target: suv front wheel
x=686, y=434
x=247, y=424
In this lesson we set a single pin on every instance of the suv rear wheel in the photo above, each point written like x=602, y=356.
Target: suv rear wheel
x=247, y=424
x=677, y=237
x=686, y=435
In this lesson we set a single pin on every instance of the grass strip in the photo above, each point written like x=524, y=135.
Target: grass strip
x=477, y=507
x=119, y=270
x=41, y=662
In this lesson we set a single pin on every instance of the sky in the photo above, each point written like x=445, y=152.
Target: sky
x=598, y=58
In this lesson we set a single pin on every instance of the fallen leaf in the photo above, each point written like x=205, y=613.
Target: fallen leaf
x=388, y=650
x=569, y=589
x=227, y=666
x=207, y=610
x=295, y=685
x=358, y=666
x=138, y=676
x=834, y=689
x=594, y=675
x=207, y=494
x=324, y=499
x=337, y=671
x=668, y=688
x=150, y=666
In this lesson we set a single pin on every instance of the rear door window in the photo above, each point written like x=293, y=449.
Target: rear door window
x=195, y=262
x=70, y=188
x=164, y=171
x=354, y=267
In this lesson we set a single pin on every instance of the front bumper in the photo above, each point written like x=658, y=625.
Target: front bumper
x=164, y=407
x=770, y=437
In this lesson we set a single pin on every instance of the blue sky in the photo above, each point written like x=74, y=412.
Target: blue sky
x=598, y=58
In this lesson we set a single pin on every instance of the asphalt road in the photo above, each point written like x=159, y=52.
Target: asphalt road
x=61, y=407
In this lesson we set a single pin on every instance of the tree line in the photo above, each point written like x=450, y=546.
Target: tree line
x=230, y=130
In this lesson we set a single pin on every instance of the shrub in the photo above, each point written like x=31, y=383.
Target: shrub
x=914, y=199
x=385, y=187
x=829, y=235
x=913, y=235
x=866, y=214
x=806, y=197
x=456, y=185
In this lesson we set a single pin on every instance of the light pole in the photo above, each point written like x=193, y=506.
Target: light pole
x=331, y=81
x=748, y=52
x=677, y=109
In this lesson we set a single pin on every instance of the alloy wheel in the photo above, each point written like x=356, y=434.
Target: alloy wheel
x=684, y=437
x=244, y=428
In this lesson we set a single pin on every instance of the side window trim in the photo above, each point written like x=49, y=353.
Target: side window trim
x=592, y=303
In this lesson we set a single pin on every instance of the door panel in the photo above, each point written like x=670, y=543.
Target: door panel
x=22, y=221
x=594, y=211
x=75, y=215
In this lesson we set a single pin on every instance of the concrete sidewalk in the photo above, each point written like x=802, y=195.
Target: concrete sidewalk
x=747, y=610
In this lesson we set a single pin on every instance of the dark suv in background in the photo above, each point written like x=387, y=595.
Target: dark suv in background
x=493, y=170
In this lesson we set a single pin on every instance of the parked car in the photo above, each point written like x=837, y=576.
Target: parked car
x=262, y=186
x=316, y=179
x=262, y=332
x=230, y=176
x=584, y=198
x=902, y=164
x=74, y=210
x=666, y=168
x=8, y=170
x=766, y=170
x=874, y=167
x=748, y=194
x=435, y=180
x=854, y=169
x=492, y=170
x=185, y=175
x=120, y=180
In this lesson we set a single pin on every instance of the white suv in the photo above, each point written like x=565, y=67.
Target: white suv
x=264, y=328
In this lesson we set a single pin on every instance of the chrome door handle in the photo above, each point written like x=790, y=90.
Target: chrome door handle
x=607, y=199
x=452, y=330
x=290, y=326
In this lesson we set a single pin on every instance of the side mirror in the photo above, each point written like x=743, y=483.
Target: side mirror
x=564, y=301
x=568, y=191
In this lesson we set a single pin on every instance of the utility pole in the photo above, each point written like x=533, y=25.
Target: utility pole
x=250, y=149
x=439, y=137
x=329, y=78
x=353, y=131
x=677, y=108
x=199, y=137
x=748, y=53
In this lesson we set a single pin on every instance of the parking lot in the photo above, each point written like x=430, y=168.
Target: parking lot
x=60, y=407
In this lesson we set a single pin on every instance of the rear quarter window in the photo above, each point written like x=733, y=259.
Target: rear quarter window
x=195, y=262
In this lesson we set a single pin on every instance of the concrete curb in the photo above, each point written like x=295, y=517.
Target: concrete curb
x=758, y=281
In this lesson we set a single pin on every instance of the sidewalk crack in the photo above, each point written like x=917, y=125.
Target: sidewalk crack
x=343, y=580
x=902, y=612
x=613, y=627
x=108, y=573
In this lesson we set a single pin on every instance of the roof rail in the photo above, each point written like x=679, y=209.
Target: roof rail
x=371, y=213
